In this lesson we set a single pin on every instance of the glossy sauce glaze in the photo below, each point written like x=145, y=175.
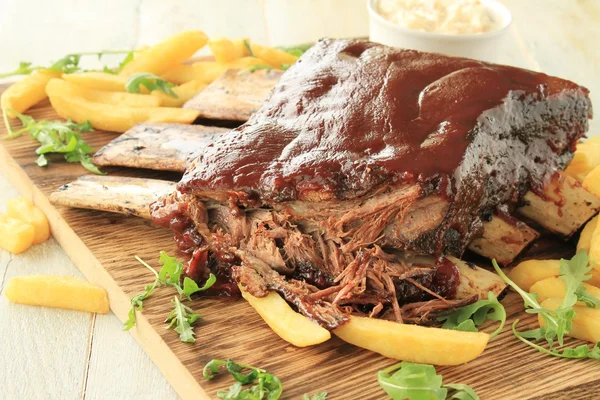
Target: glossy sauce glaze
x=351, y=116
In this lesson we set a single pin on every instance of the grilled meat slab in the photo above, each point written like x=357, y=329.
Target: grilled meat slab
x=361, y=156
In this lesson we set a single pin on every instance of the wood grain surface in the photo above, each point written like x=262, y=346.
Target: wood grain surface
x=103, y=246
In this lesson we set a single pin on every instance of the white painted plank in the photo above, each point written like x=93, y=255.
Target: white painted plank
x=43, y=351
x=119, y=368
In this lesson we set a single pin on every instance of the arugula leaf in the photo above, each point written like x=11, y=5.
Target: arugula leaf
x=460, y=391
x=114, y=71
x=267, y=386
x=190, y=286
x=56, y=137
x=412, y=381
x=257, y=67
x=297, y=50
x=579, y=352
x=181, y=319
x=137, y=304
x=470, y=317
x=150, y=82
x=407, y=380
x=171, y=270
x=249, y=47
x=316, y=396
x=137, y=301
x=68, y=64
x=24, y=68
x=557, y=323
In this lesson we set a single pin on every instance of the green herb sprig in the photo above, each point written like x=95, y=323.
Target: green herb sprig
x=68, y=64
x=266, y=386
x=150, y=82
x=56, y=137
x=182, y=317
x=420, y=382
x=558, y=323
x=469, y=318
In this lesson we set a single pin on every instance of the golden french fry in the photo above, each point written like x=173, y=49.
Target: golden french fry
x=16, y=236
x=592, y=181
x=166, y=55
x=594, y=252
x=207, y=71
x=585, y=237
x=100, y=96
x=555, y=287
x=586, y=324
x=585, y=159
x=526, y=273
x=27, y=92
x=24, y=210
x=274, y=57
x=184, y=93
x=413, y=343
x=531, y=271
x=289, y=325
x=59, y=292
x=98, y=81
x=204, y=71
x=116, y=118
x=225, y=50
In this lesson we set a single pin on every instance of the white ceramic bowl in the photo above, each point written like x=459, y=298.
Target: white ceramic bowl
x=481, y=46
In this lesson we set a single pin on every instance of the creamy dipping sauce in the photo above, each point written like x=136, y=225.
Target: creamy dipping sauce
x=440, y=16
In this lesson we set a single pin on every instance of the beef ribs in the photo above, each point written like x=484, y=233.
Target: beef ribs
x=363, y=154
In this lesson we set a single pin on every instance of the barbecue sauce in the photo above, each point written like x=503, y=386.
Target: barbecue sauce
x=352, y=116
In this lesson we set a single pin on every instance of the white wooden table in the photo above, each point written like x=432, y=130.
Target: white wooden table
x=58, y=354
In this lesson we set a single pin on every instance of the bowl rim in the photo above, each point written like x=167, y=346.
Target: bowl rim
x=375, y=16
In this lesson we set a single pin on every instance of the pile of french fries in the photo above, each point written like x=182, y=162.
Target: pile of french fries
x=102, y=99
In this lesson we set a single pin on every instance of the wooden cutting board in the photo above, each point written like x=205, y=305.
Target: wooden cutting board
x=103, y=246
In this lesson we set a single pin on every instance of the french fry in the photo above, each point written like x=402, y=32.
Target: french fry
x=274, y=57
x=204, y=71
x=586, y=235
x=59, y=292
x=27, y=92
x=24, y=210
x=289, y=325
x=531, y=271
x=166, y=55
x=595, y=248
x=100, y=96
x=207, y=71
x=16, y=236
x=592, y=181
x=184, y=93
x=116, y=118
x=585, y=325
x=413, y=343
x=555, y=287
x=585, y=159
x=225, y=50
x=98, y=81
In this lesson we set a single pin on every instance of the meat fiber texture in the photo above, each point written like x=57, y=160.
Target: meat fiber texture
x=361, y=156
